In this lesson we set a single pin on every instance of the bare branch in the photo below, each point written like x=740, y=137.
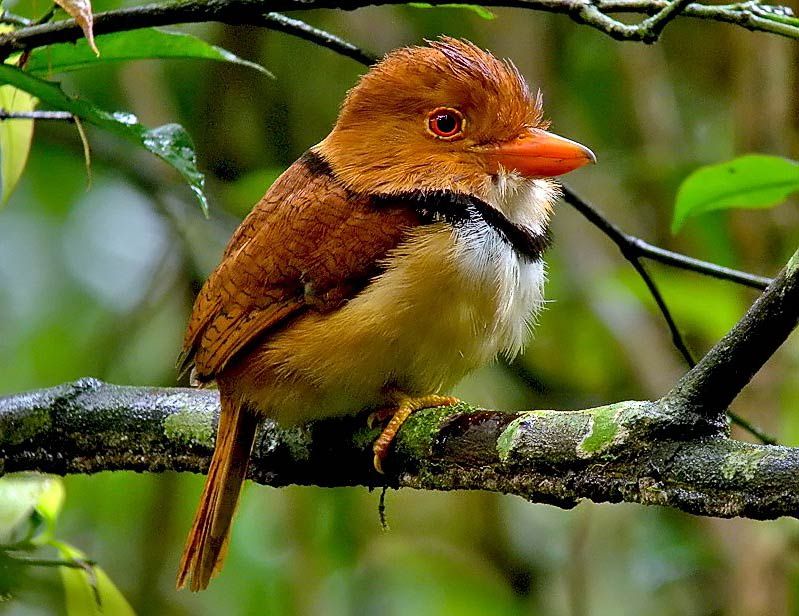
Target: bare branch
x=300, y=29
x=676, y=336
x=681, y=261
x=12, y=19
x=748, y=426
x=653, y=26
x=63, y=116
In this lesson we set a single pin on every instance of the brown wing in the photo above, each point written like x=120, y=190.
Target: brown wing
x=308, y=244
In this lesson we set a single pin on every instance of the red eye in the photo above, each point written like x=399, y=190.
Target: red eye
x=445, y=123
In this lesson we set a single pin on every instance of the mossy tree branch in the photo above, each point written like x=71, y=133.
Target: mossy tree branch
x=674, y=451
x=630, y=451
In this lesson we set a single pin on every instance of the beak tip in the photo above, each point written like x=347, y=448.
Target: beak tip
x=540, y=154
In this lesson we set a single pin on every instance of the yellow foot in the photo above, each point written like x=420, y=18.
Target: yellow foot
x=405, y=406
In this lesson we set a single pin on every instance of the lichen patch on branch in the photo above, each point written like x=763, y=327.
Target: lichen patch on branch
x=604, y=428
x=190, y=426
x=742, y=464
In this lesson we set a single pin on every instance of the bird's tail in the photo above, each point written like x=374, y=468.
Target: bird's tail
x=206, y=544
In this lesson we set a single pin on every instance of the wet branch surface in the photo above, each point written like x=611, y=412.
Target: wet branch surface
x=674, y=451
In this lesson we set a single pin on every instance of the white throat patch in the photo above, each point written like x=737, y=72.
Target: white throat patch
x=523, y=201
x=511, y=283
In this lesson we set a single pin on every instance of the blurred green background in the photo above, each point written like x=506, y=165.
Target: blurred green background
x=99, y=282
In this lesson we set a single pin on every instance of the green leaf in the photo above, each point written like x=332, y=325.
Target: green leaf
x=752, y=181
x=19, y=494
x=15, y=139
x=132, y=45
x=481, y=11
x=89, y=591
x=169, y=142
x=49, y=506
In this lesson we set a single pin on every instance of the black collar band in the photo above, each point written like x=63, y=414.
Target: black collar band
x=460, y=209
x=457, y=209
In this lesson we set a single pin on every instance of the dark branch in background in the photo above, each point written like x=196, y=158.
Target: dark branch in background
x=675, y=259
x=596, y=13
x=633, y=248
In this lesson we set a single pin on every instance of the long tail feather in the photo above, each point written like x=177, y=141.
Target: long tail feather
x=206, y=544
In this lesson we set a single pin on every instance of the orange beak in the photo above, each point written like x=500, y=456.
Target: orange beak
x=539, y=154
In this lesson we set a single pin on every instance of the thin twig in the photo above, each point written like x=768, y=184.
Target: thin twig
x=749, y=15
x=632, y=245
x=676, y=336
x=681, y=261
x=653, y=26
x=62, y=116
x=52, y=562
x=13, y=20
x=747, y=426
x=300, y=29
x=647, y=31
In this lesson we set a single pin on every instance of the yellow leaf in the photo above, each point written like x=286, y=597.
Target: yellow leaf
x=81, y=10
x=15, y=138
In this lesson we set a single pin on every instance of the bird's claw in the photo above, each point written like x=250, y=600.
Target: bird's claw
x=405, y=407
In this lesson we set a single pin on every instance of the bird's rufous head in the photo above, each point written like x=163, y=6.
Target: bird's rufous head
x=448, y=116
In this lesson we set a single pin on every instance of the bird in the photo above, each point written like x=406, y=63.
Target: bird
x=390, y=260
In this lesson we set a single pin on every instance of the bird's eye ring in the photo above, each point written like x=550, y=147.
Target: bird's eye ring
x=446, y=123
